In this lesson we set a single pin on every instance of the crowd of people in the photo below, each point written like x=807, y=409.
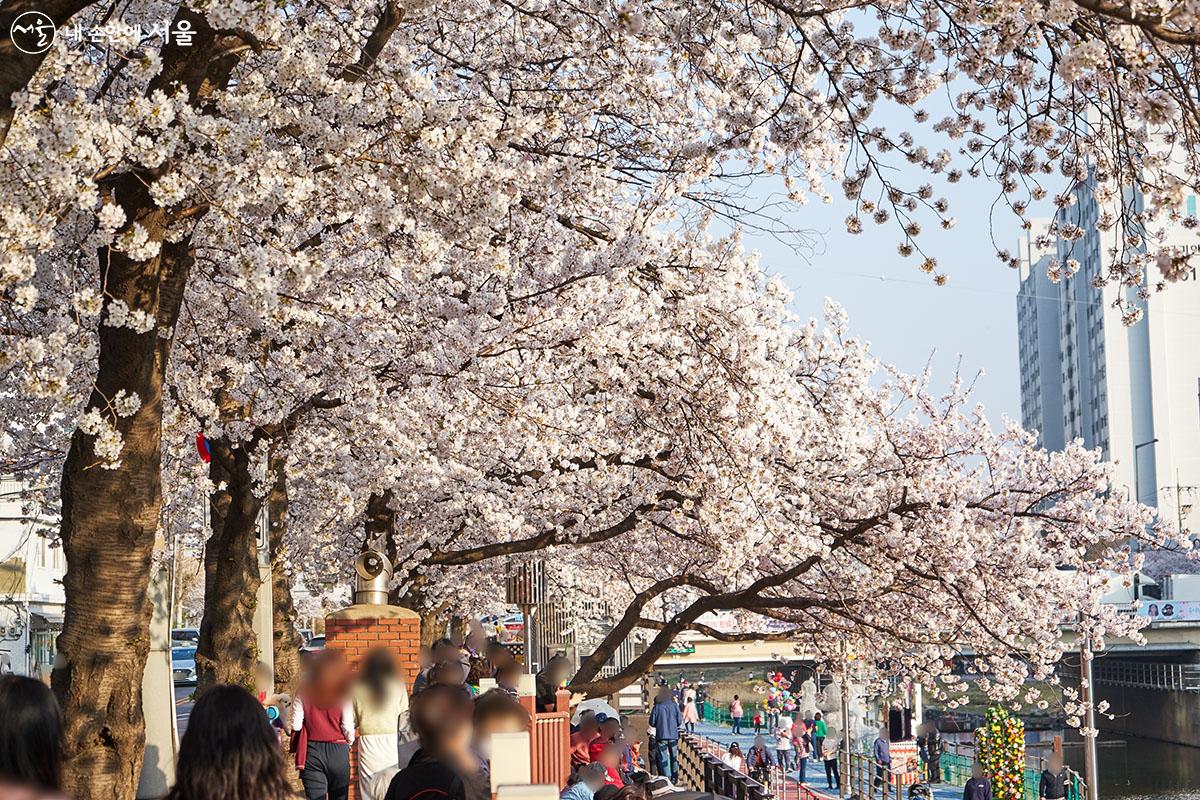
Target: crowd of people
x=433, y=740
x=792, y=745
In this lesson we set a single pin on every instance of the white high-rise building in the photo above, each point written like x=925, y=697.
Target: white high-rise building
x=1131, y=391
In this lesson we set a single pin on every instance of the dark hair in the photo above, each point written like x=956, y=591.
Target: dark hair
x=230, y=751
x=378, y=671
x=31, y=735
x=510, y=667
x=632, y=791
x=437, y=712
x=607, y=792
x=327, y=680
x=499, y=704
x=735, y=748
x=440, y=673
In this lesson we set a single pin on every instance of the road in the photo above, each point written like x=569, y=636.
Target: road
x=183, y=706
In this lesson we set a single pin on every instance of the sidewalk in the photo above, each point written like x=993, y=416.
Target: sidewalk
x=815, y=774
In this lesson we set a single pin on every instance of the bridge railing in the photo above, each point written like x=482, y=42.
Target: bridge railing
x=1147, y=675
x=702, y=769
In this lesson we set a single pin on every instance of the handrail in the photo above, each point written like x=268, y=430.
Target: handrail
x=703, y=769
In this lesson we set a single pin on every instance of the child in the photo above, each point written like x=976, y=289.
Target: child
x=757, y=722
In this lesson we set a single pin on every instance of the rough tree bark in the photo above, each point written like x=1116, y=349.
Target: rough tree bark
x=110, y=518
x=285, y=638
x=227, y=650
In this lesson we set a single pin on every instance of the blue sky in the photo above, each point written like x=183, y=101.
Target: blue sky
x=970, y=321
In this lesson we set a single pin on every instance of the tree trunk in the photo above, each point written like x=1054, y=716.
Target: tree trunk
x=228, y=650
x=285, y=638
x=110, y=518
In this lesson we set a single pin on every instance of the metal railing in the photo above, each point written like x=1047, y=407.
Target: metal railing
x=702, y=769
x=1147, y=675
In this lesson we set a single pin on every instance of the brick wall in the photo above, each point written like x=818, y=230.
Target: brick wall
x=359, y=629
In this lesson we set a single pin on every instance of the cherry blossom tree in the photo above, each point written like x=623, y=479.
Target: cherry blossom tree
x=294, y=167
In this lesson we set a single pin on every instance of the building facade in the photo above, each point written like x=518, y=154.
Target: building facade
x=31, y=590
x=1133, y=392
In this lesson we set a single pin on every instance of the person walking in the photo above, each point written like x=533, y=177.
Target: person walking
x=783, y=745
x=829, y=754
x=323, y=728
x=381, y=716
x=800, y=748
x=666, y=719
x=735, y=714
x=882, y=753
x=819, y=730
x=230, y=751
x=690, y=715
x=445, y=767
x=30, y=737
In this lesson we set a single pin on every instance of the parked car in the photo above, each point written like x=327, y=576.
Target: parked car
x=185, y=637
x=314, y=644
x=183, y=666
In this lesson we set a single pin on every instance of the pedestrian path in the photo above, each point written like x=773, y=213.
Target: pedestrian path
x=815, y=774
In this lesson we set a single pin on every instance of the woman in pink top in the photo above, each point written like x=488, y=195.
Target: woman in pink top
x=690, y=715
x=736, y=713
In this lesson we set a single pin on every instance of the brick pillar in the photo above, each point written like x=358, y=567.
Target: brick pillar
x=361, y=628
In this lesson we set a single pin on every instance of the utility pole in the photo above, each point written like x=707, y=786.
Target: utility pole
x=1179, y=492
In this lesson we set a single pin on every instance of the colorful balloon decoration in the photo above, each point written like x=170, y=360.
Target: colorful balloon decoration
x=779, y=693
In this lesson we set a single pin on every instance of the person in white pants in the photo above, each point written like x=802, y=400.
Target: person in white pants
x=381, y=716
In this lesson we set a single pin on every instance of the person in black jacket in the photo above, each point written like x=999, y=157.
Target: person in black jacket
x=446, y=767
x=1053, y=785
x=978, y=787
x=932, y=746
